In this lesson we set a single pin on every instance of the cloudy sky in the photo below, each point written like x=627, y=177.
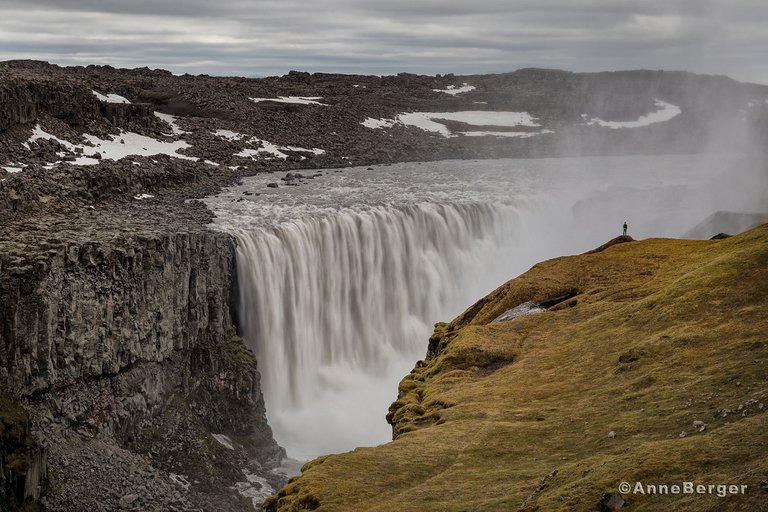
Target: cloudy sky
x=267, y=37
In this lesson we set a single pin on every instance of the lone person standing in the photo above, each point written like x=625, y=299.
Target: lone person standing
x=625, y=228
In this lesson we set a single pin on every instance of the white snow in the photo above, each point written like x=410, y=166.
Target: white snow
x=454, y=90
x=140, y=197
x=430, y=121
x=378, y=123
x=225, y=441
x=114, y=147
x=129, y=143
x=266, y=147
x=484, y=117
x=211, y=162
x=666, y=112
x=424, y=121
x=251, y=153
x=522, y=135
x=298, y=100
x=274, y=150
x=171, y=120
x=39, y=134
x=110, y=98
x=229, y=135
x=314, y=151
x=13, y=169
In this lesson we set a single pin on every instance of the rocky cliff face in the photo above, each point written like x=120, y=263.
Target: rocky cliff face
x=25, y=101
x=100, y=340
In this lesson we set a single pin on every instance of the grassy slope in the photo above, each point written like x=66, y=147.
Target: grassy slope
x=661, y=333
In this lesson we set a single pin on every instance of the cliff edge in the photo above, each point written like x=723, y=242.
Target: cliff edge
x=644, y=362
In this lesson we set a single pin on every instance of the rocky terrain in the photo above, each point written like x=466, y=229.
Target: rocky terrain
x=636, y=362
x=123, y=353
x=123, y=384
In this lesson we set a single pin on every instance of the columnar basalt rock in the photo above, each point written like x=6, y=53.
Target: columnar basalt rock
x=98, y=338
x=24, y=101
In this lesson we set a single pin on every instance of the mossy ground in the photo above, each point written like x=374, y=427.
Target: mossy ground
x=516, y=415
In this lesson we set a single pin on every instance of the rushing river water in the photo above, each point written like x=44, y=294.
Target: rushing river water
x=341, y=278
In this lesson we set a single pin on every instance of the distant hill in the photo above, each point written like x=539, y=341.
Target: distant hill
x=726, y=222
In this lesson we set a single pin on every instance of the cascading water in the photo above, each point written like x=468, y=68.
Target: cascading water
x=342, y=278
x=334, y=305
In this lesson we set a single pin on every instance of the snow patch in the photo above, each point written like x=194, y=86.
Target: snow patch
x=297, y=100
x=274, y=150
x=129, y=143
x=266, y=147
x=229, y=135
x=13, y=168
x=375, y=124
x=39, y=134
x=111, y=98
x=666, y=112
x=430, y=121
x=225, y=441
x=521, y=135
x=478, y=117
x=314, y=151
x=141, y=197
x=171, y=121
x=454, y=90
x=115, y=147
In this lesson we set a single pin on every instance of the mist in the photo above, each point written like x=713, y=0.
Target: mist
x=346, y=287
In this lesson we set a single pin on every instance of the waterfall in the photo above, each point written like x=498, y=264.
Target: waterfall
x=337, y=308
x=341, y=280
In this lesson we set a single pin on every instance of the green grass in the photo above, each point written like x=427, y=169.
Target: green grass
x=661, y=333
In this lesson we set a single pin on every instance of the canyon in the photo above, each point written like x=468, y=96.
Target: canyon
x=125, y=383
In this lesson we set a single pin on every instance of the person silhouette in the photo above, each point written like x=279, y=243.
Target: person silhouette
x=625, y=228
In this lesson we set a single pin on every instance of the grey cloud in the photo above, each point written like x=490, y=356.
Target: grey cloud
x=256, y=38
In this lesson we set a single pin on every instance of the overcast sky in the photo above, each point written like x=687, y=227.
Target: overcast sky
x=268, y=37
